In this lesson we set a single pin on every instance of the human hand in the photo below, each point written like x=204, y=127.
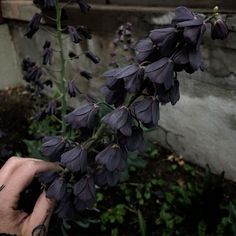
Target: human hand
x=15, y=176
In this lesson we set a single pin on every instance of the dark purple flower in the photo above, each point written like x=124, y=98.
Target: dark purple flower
x=53, y=147
x=84, y=31
x=182, y=14
x=49, y=83
x=33, y=25
x=57, y=189
x=66, y=208
x=112, y=81
x=165, y=39
x=113, y=157
x=144, y=49
x=72, y=88
x=147, y=111
x=84, y=116
x=84, y=6
x=135, y=141
x=106, y=177
x=74, y=36
x=48, y=176
x=219, y=30
x=116, y=96
x=27, y=63
x=161, y=72
x=86, y=74
x=51, y=109
x=85, y=193
x=33, y=74
x=95, y=59
x=119, y=120
x=172, y=95
x=75, y=159
x=47, y=53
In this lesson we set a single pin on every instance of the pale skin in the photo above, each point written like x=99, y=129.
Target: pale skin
x=15, y=176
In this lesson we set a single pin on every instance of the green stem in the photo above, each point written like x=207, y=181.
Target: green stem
x=62, y=86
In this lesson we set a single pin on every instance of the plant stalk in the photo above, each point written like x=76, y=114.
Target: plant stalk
x=62, y=86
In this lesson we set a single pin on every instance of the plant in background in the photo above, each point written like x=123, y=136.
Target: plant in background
x=91, y=145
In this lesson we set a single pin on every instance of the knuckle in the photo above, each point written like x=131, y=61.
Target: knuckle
x=12, y=160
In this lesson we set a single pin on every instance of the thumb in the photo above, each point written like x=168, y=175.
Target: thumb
x=37, y=223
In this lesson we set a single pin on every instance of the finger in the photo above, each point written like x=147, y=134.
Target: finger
x=9, y=167
x=37, y=223
x=24, y=175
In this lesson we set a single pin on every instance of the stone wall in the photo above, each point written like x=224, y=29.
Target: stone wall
x=202, y=126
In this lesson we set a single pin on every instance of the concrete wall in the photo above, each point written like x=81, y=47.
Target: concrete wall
x=202, y=126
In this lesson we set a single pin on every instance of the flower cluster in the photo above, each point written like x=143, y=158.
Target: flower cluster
x=98, y=154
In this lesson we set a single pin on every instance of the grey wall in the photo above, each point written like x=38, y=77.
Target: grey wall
x=202, y=126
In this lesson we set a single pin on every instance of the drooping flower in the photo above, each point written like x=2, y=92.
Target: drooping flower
x=161, y=72
x=72, y=88
x=165, y=39
x=147, y=111
x=33, y=25
x=57, y=189
x=74, y=36
x=119, y=120
x=116, y=96
x=84, y=31
x=113, y=157
x=84, y=6
x=47, y=53
x=95, y=59
x=135, y=141
x=84, y=116
x=27, y=63
x=53, y=147
x=219, y=30
x=86, y=74
x=104, y=176
x=51, y=109
x=144, y=49
x=85, y=193
x=48, y=176
x=66, y=208
x=75, y=159
x=172, y=95
x=33, y=74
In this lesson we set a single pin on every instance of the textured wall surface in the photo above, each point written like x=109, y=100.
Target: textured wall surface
x=202, y=126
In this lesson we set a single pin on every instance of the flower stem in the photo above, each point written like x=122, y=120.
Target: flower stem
x=62, y=85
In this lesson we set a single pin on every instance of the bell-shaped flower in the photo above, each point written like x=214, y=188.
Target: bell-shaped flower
x=147, y=111
x=113, y=158
x=72, y=88
x=165, y=38
x=47, y=53
x=53, y=147
x=161, y=72
x=106, y=177
x=84, y=116
x=172, y=95
x=51, y=109
x=144, y=49
x=33, y=26
x=66, y=208
x=57, y=189
x=85, y=193
x=119, y=120
x=135, y=142
x=75, y=159
x=74, y=36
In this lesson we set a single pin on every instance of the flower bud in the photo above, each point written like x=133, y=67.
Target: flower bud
x=219, y=30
